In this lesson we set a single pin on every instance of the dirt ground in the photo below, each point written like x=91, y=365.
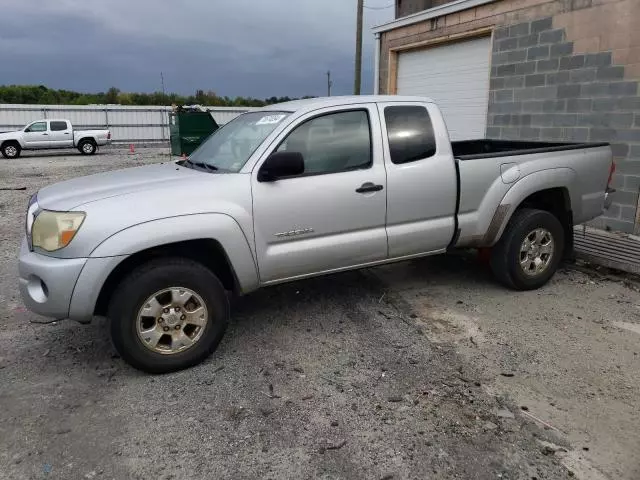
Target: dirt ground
x=426, y=369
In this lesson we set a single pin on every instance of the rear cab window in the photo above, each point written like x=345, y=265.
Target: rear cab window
x=410, y=133
x=57, y=126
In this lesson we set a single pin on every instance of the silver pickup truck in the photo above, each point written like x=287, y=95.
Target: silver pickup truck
x=292, y=191
x=49, y=134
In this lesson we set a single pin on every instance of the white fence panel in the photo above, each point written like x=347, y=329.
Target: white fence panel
x=127, y=123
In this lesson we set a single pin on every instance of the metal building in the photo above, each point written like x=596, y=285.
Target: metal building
x=127, y=123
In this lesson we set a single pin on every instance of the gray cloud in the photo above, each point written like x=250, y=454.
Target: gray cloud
x=244, y=47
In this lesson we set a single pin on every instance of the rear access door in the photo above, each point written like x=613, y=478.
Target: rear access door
x=60, y=134
x=421, y=179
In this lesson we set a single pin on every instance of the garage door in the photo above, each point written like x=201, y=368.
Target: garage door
x=456, y=76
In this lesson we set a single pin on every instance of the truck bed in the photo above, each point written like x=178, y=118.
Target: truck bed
x=489, y=170
x=484, y=148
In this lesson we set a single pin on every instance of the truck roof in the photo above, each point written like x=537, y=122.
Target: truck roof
x=322, y=102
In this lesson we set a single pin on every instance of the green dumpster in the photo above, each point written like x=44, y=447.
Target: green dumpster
x=188, y=128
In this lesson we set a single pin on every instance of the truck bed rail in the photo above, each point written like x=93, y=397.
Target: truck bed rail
x=484, y=148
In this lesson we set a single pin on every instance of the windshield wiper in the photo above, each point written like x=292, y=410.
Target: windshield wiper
x=206, y=166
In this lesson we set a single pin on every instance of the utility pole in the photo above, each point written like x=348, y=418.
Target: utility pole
x=329, y=83
x=358, y=72
x=164, y=114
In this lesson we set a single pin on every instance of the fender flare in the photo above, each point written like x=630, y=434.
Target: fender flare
x=82, y=139
x=215, y=226
x=522, y=189
x=17, y=140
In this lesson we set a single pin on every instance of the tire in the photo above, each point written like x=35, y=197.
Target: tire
x=11, y=150
x=87, y=147
x=133, y=294
x=531, y=268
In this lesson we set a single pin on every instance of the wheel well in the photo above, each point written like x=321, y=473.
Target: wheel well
x=208, y=252
x=85, y=139
x=10, y=142
x=557, y=202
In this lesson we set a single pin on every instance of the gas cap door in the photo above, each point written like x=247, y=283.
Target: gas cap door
x=510, y=172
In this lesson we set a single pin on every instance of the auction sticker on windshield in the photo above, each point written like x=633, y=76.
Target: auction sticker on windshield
x=270, y=119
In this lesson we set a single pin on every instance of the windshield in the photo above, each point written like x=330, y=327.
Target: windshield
x=229, y=148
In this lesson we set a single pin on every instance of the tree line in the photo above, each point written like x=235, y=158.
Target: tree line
x=41, y=95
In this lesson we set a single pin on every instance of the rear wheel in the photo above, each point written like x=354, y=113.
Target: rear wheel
x=167, y=315
x=87, y=147
x=529, y=251
x=11, y=150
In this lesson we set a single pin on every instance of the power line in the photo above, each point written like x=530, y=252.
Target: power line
x=379, y=8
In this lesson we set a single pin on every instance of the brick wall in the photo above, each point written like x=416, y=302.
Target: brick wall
x=561, y=70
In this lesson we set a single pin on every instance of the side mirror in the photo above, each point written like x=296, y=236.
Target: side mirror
x=280, y=165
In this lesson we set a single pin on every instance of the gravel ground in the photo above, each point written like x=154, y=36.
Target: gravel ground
x=425, y=369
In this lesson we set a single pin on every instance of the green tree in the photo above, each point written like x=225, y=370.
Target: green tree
x=40, y=94
x=112, y=95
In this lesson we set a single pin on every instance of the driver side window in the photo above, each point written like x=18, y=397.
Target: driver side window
x=332, y=143
x=37, y=127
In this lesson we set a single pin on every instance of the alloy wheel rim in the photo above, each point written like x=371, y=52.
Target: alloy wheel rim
x=172, y=320
x=536, y=252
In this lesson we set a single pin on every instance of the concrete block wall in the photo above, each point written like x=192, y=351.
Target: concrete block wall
x=565, y=70
x=542, y=89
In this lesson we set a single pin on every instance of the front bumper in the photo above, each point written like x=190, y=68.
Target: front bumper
x=47, y=283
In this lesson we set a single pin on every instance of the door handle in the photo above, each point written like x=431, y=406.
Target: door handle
x=369, y=187
x=45, y=134
x=66, y=133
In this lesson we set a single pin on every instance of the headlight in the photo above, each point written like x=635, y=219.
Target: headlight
x=32, y=212
x=54, y=230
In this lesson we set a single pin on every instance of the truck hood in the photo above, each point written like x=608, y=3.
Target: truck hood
x=69, y=194
x=117, y=200
x=7, y=135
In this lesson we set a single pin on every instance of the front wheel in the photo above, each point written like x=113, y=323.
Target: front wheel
x=87, y=147
x=529, y=251
x=167, y=315
x=11, y=150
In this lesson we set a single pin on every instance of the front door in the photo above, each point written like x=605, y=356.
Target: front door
x=60, y=134
x=36, y=135
x=332, y=216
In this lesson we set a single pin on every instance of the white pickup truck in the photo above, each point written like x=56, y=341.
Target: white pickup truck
x=53, y=133
x=291, y=191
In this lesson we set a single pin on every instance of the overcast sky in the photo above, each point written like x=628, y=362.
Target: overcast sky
x=256, y=48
